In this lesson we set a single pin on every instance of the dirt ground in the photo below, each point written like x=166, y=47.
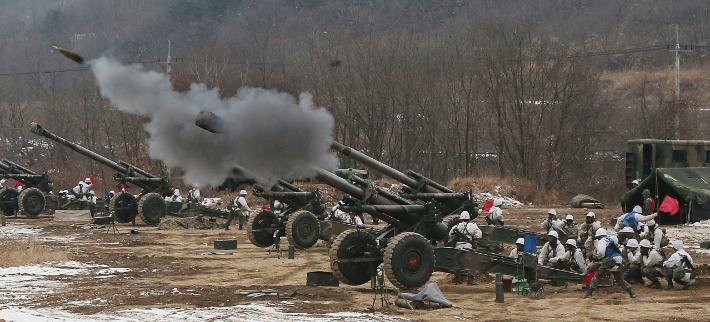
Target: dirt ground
x=182, y=269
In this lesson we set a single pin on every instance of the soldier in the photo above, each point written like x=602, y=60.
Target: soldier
x=175, y=197
x=608, y=260
x=633, y=219
x=625, y=234
x=111, y=194
x=194, y=195
x=575, y=258
x=92, y=203
x=551, y=222
x=519, y=248
x=569, y=228
x=632, y=257
x=651, y=262
x=553, y=252
x=655, y=235
x=679, y=267
x=588, y=231
x=495, y=214
x=2, y=181
x=649, y=204
x=238, y=208
x=355, y=220
x=465, y=234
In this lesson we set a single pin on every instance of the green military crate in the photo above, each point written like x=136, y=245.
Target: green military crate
x=225, y=244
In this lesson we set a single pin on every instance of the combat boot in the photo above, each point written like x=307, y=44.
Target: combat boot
x=240, y=227
x=470, y=281
x=589, y=294
x=632, y=294
x=457, y=278
x=655, y=285
x=670, y=286
x=686, y=285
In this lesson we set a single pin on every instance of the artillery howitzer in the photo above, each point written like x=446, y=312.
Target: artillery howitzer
x=449, y=203
x=149, y=206
x=403, y=246
x=31, y=200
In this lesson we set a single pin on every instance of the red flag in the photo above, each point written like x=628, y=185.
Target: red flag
x=487, y=206
x=122, y=188
x=669, y=205
x=92, y=179
x=19, y=184
x=265, y=207
x=589, y=277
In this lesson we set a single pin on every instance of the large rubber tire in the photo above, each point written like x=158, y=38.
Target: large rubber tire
x=152, y=209
x=409, y=260
x=31, y=202
x=352, y=243
x=123, y=206
x=302, y=229
x=8, y=196
x=259, y=220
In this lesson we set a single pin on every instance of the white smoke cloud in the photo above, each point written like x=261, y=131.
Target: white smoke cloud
x=268, y=134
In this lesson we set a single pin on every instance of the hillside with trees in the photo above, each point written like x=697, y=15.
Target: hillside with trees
x=544, y=90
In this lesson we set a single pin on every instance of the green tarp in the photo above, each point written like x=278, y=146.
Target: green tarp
x=691, y=186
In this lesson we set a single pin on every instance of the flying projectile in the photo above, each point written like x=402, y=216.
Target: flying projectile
x=69, y=54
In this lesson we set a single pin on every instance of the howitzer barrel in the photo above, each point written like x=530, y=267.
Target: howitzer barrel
x=39, y=130
x=17, y=166
x=280, y=194
x=437, y=196
x=377, y=165
x=429, y=182
x=142, y=180
x=22, y=177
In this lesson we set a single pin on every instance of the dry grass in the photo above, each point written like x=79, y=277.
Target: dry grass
x=514, y=187
x=19, y=253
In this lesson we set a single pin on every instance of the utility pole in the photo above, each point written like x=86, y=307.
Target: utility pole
x=169, y=61
x=677, y=50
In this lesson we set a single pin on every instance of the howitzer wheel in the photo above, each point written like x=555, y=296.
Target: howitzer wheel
x=123, y=206
x=31, y=202
x=409, y=260
x=152, y=208
x=302, y=229
x=8, y=201
x=261, y=219
x=352, y=244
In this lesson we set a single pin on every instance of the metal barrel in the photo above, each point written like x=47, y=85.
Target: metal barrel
x=17, y=166
x=285, y=186
x=430, y=183
x=39, y=130
x=5, y=168
x=22, y=176
x=343, y=185
x=381, y=191
x=142, y=179
x=377, y=165
x=437, y=196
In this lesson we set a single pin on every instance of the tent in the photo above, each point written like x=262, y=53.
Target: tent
x=690, y=186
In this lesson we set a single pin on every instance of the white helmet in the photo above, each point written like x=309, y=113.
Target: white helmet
x=87, y=180
x=552, y=212
x=569, y=217
x=591, y=214
x=636, y=181
x=91, y=192
x=520, y=241
x=497, y=202
x=553, y=234
x=645, y=243
x=112, y=192
x=632, y=243
x=571, y=242
x=678, y=244
x=600, y=232
x=626, y=229
x=243, y=192
x=638, y=209
x=464, y=215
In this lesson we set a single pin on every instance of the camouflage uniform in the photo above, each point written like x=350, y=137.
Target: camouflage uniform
x=609, y=262
x=651, y=266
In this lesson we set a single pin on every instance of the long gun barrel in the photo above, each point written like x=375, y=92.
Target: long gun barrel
x=125, y=169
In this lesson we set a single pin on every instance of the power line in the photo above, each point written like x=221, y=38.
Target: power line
x=76, y=69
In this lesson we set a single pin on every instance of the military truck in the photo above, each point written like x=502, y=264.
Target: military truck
x=679, y=169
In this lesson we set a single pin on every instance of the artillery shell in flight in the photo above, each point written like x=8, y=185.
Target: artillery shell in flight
x=69, y=54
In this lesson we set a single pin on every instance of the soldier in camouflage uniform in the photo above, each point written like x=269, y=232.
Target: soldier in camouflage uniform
x=569, y=228
x=651, y=262
x=648, y=203
x=587, y=232
x=238, y=209
x=608, y=261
